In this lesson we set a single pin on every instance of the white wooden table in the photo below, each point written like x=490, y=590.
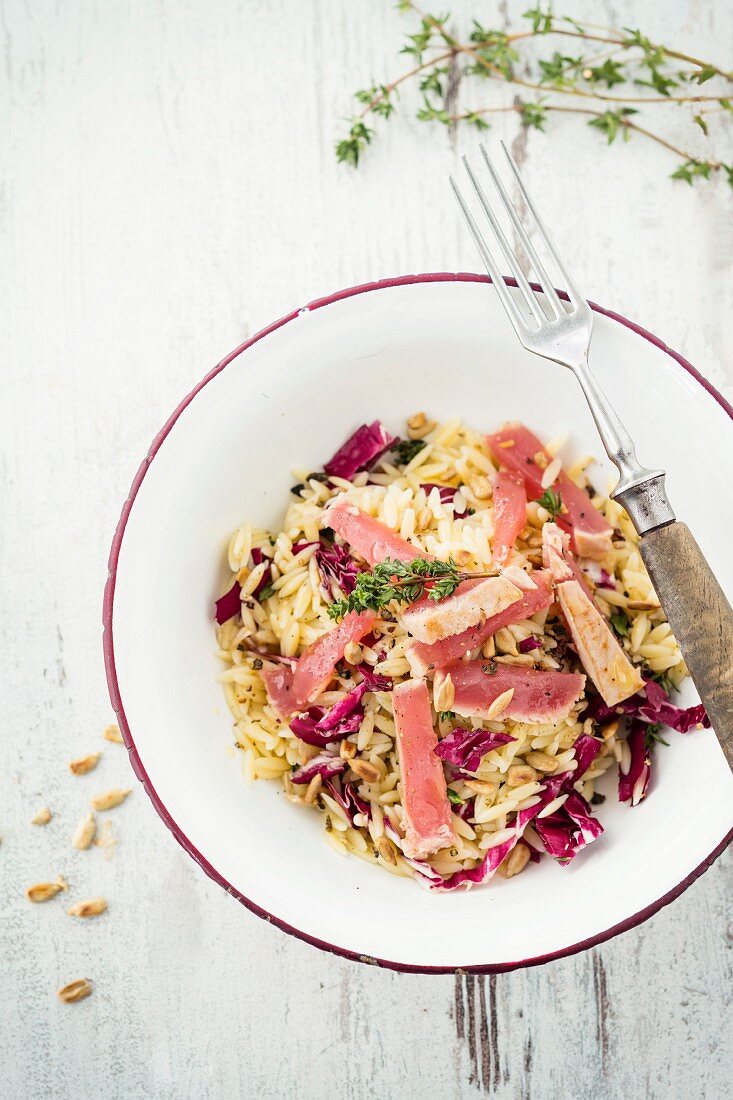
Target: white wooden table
x=168, y=187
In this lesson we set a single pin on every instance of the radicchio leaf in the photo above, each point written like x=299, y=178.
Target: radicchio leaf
x=336, y=566
x=324, y=765
x=569, y=829
x=495, y=856
x=528, y=644
x=447, y=495
x=347, y=798
x=320, y=727
x=360, y=451
x=654, y=708
x=372, y=679
x=465, y=748
x=258, y=557
x=228, y=605
x=659, y=708
x=586, y=750
x=632, y=785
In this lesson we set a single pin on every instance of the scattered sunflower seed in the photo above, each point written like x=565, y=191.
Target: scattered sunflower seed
x=387, y=850
x=500, y=703
x=84, y=834
x=445, y=694
x=110, y=799
x=104, y=839
x=365, y=770
x=44, y=891
x=42, y=817
x=112, y=733
x=92, y=907
x=516, y=861
x=85, y=763
x=75, y=991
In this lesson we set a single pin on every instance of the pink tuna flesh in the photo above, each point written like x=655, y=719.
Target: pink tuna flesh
x=539, y=695
x=425, y=658
x=424, y=798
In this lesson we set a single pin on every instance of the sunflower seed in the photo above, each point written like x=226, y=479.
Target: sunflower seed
x=365, y=770
x=85, y=763
x=516, y=861
x=44, y=891
x=92, y=907
x=444, y=695
x=500, y=704
x=75, y=991
x=110, y=799
x=84, y=834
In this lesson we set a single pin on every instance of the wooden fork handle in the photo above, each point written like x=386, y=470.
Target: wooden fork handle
x=701, y=619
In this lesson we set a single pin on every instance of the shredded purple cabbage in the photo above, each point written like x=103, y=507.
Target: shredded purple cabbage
x=570, y=829
x=258, y=557
x=342, y=710
x=659, y=708
x=360, y=451
x=632, y=785
x=495, y=856
x=528, y=644
x=324, y=765
x=467, y=810
x=320, y=727
x=228, y=605
x=586, y=750
x=309, y=726
x=372, y=679
x=447, y=494
x=465, y=748
x=420, y=866
x=347, y=798
x=655, y=708
x=336, y=566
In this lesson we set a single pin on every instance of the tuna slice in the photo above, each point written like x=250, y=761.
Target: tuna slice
x=515, y=448
x=601, y=656
x=290, y=691
x=600, y=653
x=510, y=513
x=424, y=796
x=424, y=658
x=539, y=696
x=557, y=557
x=430, y=620
x=370, y=538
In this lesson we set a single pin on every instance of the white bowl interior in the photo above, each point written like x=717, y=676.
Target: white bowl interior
x=291, y=398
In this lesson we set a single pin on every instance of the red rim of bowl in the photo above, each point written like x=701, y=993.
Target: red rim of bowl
x=116, y=698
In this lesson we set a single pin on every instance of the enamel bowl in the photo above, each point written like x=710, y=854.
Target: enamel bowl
x=289, y=396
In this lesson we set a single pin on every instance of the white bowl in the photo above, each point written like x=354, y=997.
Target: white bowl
x=289, y=396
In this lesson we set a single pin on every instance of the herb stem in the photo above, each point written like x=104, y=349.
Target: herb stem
x=389, y=88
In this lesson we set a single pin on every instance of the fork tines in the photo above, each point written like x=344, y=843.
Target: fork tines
x=558, y=309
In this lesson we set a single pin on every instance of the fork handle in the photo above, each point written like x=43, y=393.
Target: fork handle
x=701, y=619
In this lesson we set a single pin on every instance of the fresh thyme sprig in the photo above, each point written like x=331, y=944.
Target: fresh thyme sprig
x=591, y=78
x=403, y=582
x=551, y=502
x=405, y=450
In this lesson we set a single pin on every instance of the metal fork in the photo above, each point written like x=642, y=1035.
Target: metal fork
x=694, y=602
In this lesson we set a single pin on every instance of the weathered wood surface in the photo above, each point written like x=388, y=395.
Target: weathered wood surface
x=700, y=616
x=168, y=187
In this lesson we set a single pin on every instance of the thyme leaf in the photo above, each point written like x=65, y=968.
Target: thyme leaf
x=403, y=583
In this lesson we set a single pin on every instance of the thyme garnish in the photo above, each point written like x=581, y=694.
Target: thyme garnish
x=406, y=449
x=609, y=71
x=403, y=582
x=551, y=502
